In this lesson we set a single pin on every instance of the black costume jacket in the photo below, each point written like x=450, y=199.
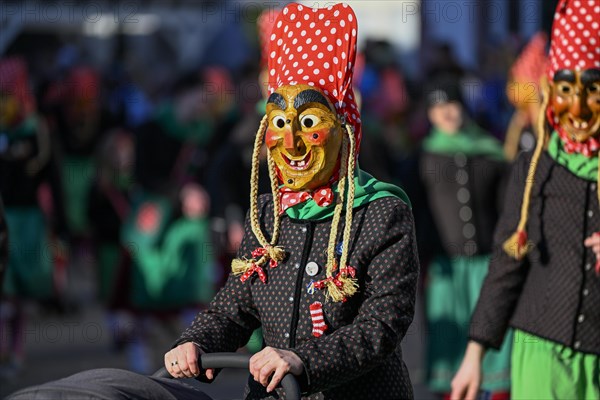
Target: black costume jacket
x=359, y=356
x=463, y=196
x=554, y=292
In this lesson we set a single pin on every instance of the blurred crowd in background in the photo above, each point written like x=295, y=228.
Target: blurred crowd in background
x=140, y=174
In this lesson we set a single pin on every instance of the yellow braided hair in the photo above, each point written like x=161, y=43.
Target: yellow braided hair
x=239, y=266
x=518, y=245
x=349, y=284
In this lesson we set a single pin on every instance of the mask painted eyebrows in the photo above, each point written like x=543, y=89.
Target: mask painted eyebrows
x=310, y=96
x=590, y=76
x=278, y=100
x=564, y=75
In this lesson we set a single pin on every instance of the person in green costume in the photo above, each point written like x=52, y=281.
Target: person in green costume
x=173, y=264
x=461, y=169
x=78, y=122
x=174, y=259
x=25, y=159
x=172, y=253
x=544, y=281
x=108, y=207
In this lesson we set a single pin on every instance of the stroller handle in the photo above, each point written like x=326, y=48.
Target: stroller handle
x=242, y=361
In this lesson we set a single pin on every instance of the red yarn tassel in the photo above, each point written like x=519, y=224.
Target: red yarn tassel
x=522, y=240
x=316, y=314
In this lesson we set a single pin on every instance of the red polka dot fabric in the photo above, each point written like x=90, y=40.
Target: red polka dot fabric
x=575, y=36
x=317, y=47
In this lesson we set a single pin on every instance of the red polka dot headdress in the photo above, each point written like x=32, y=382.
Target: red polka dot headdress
x=317, y=47
x=575, y=41
x=575, y=45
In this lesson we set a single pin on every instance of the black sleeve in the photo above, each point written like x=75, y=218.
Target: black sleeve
x=503, y=284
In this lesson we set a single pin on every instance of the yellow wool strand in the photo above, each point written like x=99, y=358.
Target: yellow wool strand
x=349, y=285
x=239, y=266
x=511, y=245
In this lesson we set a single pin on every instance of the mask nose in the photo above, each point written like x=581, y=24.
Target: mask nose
x=579, y=108
x=292, y=140
x=288, y=138
x=575, y=108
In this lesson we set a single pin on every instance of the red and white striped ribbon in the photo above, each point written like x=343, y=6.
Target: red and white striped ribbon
x=316, y=314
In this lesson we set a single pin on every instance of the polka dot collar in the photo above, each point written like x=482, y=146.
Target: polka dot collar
x=317, y=47
x=575, y=36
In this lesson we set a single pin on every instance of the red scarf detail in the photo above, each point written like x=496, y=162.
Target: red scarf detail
x=323, y=196
x=589, y=148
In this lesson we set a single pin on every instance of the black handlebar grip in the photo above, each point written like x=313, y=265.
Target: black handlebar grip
x=237, y=360
x=242, y=361
x=162, y=373
x=225, y=360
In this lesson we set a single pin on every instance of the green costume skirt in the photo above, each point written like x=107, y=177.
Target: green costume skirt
x=78, y=175
x=29, y=272
x=542, y=369
x=452, y=291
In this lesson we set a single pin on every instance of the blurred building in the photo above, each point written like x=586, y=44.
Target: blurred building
x=186, y=33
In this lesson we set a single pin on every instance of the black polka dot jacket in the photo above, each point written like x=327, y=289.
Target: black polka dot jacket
x=359, y=355
x=554, y=292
